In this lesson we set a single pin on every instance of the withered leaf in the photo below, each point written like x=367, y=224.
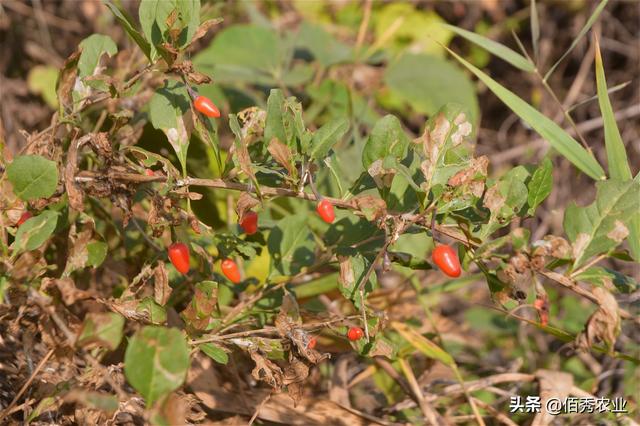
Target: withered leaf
x=604, y=324
x=288, y=317
x=67, y=79
x=552, y=384
x=67, y=288
x=245, y=203
x=204, y=28
x=266, y=371
x=161, y=289
x=282, y=154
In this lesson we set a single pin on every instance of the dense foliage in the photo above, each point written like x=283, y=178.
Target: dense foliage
x=238, y=192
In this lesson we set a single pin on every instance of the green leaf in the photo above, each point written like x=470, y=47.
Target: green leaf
x=429, y=82
x=188, y=19
x=353, y=270
x=605, y=277
x=540, y=185
x=327, y=136
x=583, y=31
x=401, y=26
x=505, y=199
x=93, y=47
x=602, y=225
x=97, y=252
x=42, y=80
x=446, y=145
x=35, y=231
x=156, y=362
x=386, y=138
x=557, y=137
x=290, y=245
x=155, y=313
x=32, y=177
x=127, y=23
x=616, y=154
x=424, y=345
x=103, y=329
x=275, y=123
x=499, y=50
x=215, y=352
x=247, y=53
x=166, y=111
x=322, y=45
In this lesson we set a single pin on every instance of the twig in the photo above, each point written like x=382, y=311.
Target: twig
x=429, y=412
x=255, y=414
x=44, y=303
x=5, y=413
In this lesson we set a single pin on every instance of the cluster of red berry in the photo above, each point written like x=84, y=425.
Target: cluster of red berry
x=443, y=255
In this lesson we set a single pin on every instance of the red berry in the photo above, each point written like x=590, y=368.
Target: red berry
x=25, y=216
x=149, y=172
x=231, y=271
x=312, y=343
x=179, y=256
x=355, y=333
x=325, y=210
x=446, y=259
x=250, y=223
x=206, y=107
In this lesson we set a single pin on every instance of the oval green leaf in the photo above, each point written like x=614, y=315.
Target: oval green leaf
x=32, y=177
x=156, y=362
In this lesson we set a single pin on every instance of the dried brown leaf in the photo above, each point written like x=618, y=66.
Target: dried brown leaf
x=552, y=384
x=204, y=28
x=161, y=289
x=245, y=203
x=604, y=324
x=266, y=371
x=282, y=154
x=67, y=288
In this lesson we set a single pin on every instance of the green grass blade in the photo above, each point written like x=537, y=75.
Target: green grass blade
x=634, y=232
x=616, y=154
x=535, y=29
x=583, y=31
x=557, y=137
x=499, y=50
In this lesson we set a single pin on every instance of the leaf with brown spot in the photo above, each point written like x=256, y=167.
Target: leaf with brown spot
x=374, y=208
x=205, y=299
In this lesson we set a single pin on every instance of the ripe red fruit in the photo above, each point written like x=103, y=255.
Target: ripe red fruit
x=355, y=333
x=25, y=216
x=231, y=271
x=446, y=259
x=325, y=210
x=179, y=256
x=206, y=107
x=312, y=343
x=250, y=223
